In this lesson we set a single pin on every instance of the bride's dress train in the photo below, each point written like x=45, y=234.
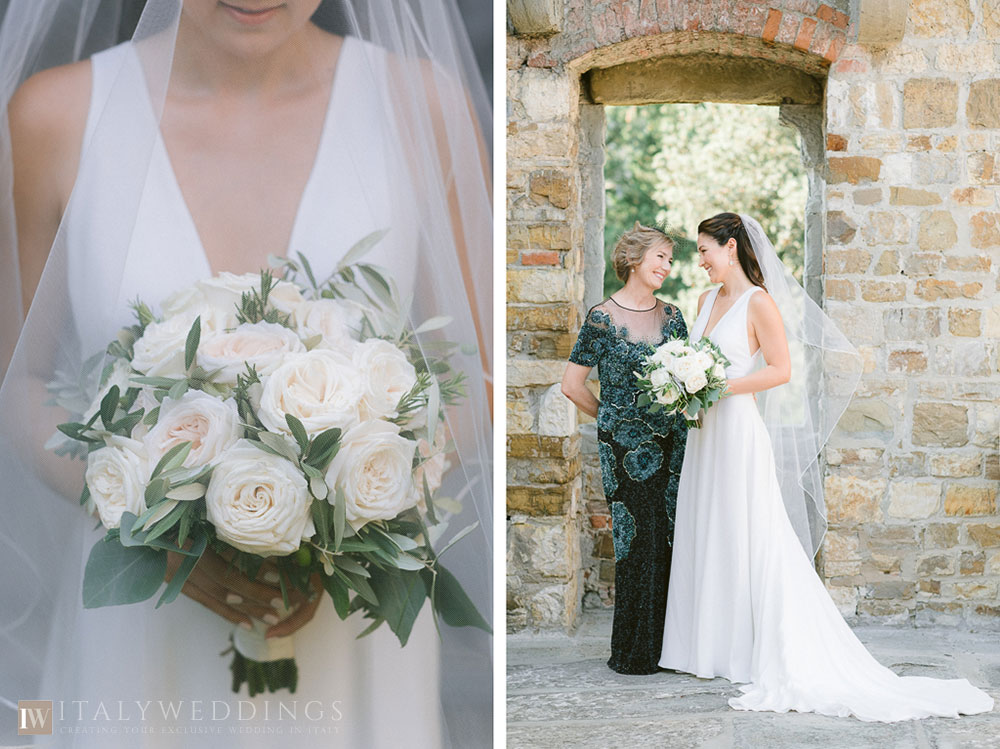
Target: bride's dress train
x=744, y=601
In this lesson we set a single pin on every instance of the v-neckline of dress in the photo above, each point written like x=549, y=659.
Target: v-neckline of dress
x=175, y=184
x=707, y=333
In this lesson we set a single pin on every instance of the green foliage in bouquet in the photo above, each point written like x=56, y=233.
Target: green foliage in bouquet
x=386, y=568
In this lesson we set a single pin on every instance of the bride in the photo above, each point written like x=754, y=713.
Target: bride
x=220, y=134
x=745, y=602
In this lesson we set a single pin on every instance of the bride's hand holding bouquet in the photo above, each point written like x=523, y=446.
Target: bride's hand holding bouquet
x=683, y=376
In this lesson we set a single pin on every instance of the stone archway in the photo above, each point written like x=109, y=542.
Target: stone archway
x=904, y=242
x=632, y=53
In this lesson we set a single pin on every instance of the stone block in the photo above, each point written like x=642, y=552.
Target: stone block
x=845, y=456
x=914, y=499
x=866, y=415
x=556, y=414
x=840, y=229
x=869, y=196
x=931, y=289
x=940, y=425
x=970, y=499
x=540, y=501
x=888, y=264
x=970, y=590
x=974, y=196
x=840, y=289
x=936, y=613
x=543, y=548
x=853, y=169
x=972, y=563
x=542, y=317
x=883, y=291
x=912, y=196
x=929, y=103
x=985, y=229
x=520, y=419
x=964, y=322
x=836, y=142
x=553, y=185
x=540, y=286
x=841, y=554
x=987, y=425
x=539, y=95
x=943, y=536
x=936, y=565
x=940, y=18
x=966, y=358
x=541, y=257
x=886, y=227
x=860, y=325
x=937, y=231
x=956, y=464
x=910, y=361
x=853, y=500
x=526, y=471
x=965, y=58
x=968, y=263
x=912, y=324
x=850, y=261
x=923, y=264
x=991, y=322
x=533, y=446
x=890, y=538
x=935, y=168
x=535, y=17
x=983, y=169
x=983, y=107
x=528, y=372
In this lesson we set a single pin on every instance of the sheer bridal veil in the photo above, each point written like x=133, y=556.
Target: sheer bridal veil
x=801, y=415
x=433, y=108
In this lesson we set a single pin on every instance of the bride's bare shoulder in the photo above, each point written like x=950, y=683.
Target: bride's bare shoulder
x=48, y=115
x=54, y=101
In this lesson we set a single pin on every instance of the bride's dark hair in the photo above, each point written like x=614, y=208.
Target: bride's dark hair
x=726, y=226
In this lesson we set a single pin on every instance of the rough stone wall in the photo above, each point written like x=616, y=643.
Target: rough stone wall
x=910, y=271
x=912, y=251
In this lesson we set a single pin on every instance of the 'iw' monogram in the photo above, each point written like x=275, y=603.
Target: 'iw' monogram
x=34, y=717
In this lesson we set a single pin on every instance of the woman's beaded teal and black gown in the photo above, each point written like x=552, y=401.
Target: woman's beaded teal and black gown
x=641, y=458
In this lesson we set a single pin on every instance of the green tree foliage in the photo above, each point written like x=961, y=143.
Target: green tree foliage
x=672, y=165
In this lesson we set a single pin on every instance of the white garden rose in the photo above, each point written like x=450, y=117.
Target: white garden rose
x=226, y=291
x=263, y=345
x=336, y=321
x=117, y=476
x=374, y=469
x=695, y=382
x=668, y=396
x=160, y=351
x=674, y=347
x=321, y=388
x=211, y=426
x=259, y=502
x=386, y=376
x=659, y=378
x=662, y=357
x=704, y=360
x=719, y=371
x=685, y=367
x=216, y=299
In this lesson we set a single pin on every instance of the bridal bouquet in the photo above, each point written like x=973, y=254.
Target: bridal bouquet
x=683, y=376
x=293, y=422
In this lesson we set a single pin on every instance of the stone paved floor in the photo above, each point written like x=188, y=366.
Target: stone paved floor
x=560, y=694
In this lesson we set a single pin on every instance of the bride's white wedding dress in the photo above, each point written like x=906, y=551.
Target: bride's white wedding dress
x=368, y=692
x=744, y=601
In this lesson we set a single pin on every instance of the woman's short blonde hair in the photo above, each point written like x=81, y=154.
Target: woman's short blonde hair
x=633, y=246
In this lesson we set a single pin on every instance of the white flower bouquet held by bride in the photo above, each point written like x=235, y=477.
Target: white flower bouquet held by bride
x=294, y=422
x=683, y=376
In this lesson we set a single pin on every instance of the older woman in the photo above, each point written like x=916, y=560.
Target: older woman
x=641, y=453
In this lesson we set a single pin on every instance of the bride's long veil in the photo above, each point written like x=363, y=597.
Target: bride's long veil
x=801, y=415
x=434, y=107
